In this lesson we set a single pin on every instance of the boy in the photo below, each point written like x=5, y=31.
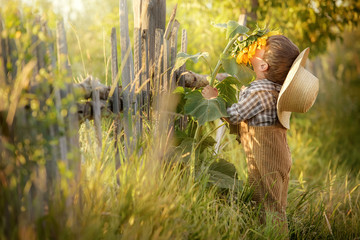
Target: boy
x=262, y=114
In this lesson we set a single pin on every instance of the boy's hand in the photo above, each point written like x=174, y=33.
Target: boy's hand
x=209, y=92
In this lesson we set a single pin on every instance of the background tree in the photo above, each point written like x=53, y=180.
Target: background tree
x=309, y=23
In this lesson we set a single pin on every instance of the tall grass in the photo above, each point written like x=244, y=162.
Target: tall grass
x=161, y=200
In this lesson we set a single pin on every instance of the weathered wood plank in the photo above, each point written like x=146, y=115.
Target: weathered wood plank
x=62, y=49
x=137, y=9
x=127, y=72
x=138, y=78
x=3, y=57
x=148, y=12
x=173, y=52
x=115, y=97
x=145, y=80
x=72, y=118
x=167, y=54
x=183, y=49
x=160, y=15
x=158, y=57
x=183, y=120
x=59, y=150
x=167, y=33
x=114, y=71
x=97, y=117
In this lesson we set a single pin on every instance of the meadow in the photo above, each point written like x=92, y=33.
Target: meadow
x=154, y=194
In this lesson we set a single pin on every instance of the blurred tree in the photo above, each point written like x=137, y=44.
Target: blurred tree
x=309, y=23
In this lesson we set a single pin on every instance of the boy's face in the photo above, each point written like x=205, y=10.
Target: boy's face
x=259, y=65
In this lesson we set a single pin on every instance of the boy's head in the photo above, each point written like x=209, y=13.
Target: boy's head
x=280, y=53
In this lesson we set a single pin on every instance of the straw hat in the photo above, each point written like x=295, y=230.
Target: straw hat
x=298, y=92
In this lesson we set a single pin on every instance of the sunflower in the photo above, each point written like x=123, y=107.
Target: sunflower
x=244, y=50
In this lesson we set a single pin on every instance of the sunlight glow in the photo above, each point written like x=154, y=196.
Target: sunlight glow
x=67, y=8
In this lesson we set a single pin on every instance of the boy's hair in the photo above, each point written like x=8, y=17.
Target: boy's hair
x=280, y=53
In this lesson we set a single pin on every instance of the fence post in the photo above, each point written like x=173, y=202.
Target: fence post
x=183, y=120
x=37, y=193
x=137, y=8
x=97, y=115
x=166, y=44
x=145, y=79
x=58, y=151
x=3, y=77
x=160, y=15
x=173, y=51
x=115, y=97
x=63, y=63
x=148, y=13
x=72, y=120
x=159, y=58
x=127, y=74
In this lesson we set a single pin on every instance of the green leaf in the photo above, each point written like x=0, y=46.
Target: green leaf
x=223, y=174
x=204, y=110
x=182, y=57
x=227, y=89
x=184, y=142
x=207, y=142
x=231, y=80
x=233, y=28
x=181, y=92
x=243, y=73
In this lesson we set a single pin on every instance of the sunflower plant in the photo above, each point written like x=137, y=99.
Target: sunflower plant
x=234, y=60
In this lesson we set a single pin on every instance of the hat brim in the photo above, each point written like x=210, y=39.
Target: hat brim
x=284, y=116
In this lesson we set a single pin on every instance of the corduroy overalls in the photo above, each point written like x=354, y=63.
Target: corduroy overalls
x=269, y=162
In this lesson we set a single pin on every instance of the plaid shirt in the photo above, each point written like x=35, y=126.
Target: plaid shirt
x=257, y=104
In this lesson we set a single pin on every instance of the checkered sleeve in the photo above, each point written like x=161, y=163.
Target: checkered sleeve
x=249, y=105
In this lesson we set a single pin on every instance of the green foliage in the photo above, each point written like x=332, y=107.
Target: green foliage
x=250, y=39
x=228, y=89
x=184, y=141
x=204, y=110
x=233, y=28
x=223, y=175
x=181, y=92
x=182, y=58
x=307, y=23
x=240, y=71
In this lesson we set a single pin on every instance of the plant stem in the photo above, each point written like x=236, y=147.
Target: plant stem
x=218, y=65
x=193, y=151
x=198, y=128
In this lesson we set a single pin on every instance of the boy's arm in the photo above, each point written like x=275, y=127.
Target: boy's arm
x=250, y=104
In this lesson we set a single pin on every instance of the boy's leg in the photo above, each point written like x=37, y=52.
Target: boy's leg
x=275, y=189
x=254, y=179
x=273, y=160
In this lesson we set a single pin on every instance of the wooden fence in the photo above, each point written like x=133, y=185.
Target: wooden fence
x=49, y=117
